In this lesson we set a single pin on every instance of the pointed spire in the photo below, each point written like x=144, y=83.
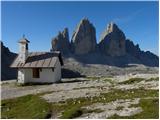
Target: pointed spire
x=24, y=40
x=112, y=27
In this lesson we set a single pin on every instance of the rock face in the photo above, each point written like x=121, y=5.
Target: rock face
x=132, y=49
x=7, y=58
x=113, y=48
x=112, y=41
x=61, y=42
x=84, y=38
x=147, y=58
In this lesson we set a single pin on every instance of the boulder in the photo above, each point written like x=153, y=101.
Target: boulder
x=112, y=41
x=61, y=42
x=84, y=38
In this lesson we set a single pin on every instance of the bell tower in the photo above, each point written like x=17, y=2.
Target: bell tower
x=23, y=49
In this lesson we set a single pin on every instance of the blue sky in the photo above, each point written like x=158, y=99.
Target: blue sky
x=41, y=21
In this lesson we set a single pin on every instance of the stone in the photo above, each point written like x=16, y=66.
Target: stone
x=84, y=38
x=112, y=41
x=61, y=42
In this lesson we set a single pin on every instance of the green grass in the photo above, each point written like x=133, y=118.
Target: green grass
x=119, y=108
x=72, y=112
x=111, y=96
x=92, y=111
x=30, y=106
x=150, y=110
x=132, y=80
x=153, y=79
x=99, y=77
x=129, y=94
x=93, y=78
x=136, y=80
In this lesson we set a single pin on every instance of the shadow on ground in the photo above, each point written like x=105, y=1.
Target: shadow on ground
x=67, y=73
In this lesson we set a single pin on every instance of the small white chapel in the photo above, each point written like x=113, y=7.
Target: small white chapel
x=37, y=67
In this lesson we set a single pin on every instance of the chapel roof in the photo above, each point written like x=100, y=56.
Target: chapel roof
x=39, y=60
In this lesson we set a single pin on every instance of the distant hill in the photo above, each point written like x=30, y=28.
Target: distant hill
x=7, y=58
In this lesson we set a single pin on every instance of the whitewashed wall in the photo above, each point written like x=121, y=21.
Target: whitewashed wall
x=20, y=76
x=46, y=75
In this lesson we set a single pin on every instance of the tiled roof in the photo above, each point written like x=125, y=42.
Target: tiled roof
x=39, y=60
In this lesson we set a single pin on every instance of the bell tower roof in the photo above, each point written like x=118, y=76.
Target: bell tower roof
x=24, y=40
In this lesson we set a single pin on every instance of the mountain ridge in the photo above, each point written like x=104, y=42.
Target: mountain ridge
x=113, y=43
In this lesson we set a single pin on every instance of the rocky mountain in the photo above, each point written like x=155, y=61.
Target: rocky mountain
x=112, y=41
x=146, y=58
x=132, y=49
x=82, y=56
x=7, y=58
x=113, y=49
x=61, y=42
x=84, y=38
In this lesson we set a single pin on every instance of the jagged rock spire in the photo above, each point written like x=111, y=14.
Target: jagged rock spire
x=61, y=42
x=84, y=38
x=112, y=41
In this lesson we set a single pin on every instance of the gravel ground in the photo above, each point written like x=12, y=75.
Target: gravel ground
x=85, y=87
x=11, y=90
x=71, y=86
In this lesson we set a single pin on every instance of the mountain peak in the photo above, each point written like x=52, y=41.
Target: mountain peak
x=112, y=27
x=85, y=19
x=84, y=37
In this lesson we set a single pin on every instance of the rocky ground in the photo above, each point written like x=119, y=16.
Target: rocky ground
x=87, y=66
x=90, y=88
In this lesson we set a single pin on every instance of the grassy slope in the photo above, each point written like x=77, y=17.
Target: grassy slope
x=31, y=106
x=76, y=104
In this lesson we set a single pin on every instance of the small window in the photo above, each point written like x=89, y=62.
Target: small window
x=35, y=72
x=26, y=46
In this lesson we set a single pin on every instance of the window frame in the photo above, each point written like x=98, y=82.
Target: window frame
x=35, y=72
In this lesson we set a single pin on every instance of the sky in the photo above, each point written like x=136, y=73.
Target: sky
x=41, y=21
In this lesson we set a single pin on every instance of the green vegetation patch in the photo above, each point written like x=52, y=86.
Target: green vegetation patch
x=119, y=108
x=72, y=112
x=103, y=98
x=129, y=94
x=132, y=80
x=153, y=79
x=92, y=111
x=93, y=78
x=150, y=110
x=30, y=106
x=99, y=77
x=108, y=80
